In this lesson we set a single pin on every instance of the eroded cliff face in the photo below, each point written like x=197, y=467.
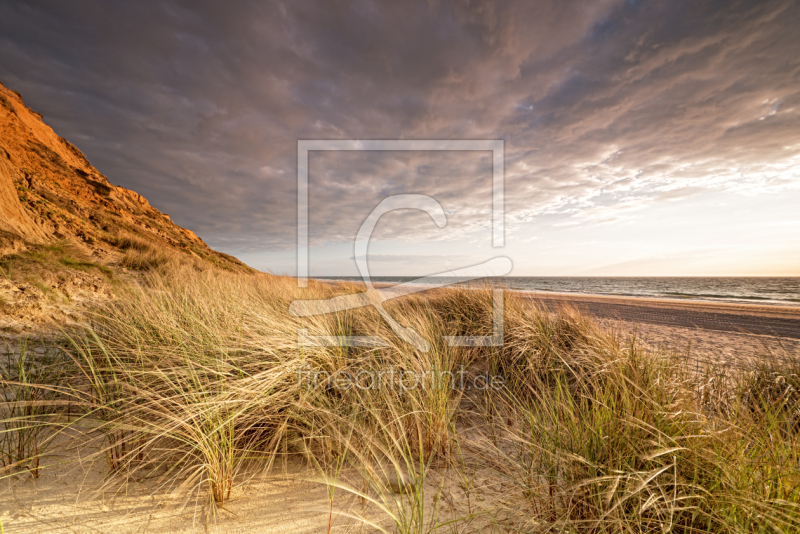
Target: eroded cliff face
x=60, y=195
x=13, y=217
x=51, y=197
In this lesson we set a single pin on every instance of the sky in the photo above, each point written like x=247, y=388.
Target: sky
x=640, y=138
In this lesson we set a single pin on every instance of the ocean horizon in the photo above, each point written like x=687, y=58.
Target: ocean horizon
x=775, y=290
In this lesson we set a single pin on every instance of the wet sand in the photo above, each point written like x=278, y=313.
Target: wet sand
x=779, y=321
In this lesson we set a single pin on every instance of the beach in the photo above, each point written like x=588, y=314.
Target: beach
x=718, y=330
x=707, y=330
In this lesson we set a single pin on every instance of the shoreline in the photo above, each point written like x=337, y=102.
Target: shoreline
x=735, y=301
x=758, y=307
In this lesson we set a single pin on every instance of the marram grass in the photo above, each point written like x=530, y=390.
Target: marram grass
x=196, y=378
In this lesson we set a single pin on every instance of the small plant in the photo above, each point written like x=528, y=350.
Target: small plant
x=772, y=389
x=4, y=103
x=144, y=260
x=127, y=242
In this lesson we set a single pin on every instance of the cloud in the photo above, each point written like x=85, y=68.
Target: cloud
x=603, y=106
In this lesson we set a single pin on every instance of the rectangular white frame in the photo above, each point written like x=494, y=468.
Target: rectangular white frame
x=496, y=146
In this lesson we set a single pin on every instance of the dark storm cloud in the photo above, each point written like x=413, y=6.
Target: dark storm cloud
x=605, y=106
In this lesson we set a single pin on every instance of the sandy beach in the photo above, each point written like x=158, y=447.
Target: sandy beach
x=716, y=330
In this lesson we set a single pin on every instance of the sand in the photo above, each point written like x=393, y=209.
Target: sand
x=731, y=332
x=781, y=321
x=73, y=498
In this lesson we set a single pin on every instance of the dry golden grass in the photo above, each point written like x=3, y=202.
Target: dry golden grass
x=197, y=377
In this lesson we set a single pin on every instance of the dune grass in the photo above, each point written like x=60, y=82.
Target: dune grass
x=42, y=261
x=142, y=255
x=29, y=404
x=197, y=378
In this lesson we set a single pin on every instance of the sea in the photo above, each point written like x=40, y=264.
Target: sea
x=762, y=290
